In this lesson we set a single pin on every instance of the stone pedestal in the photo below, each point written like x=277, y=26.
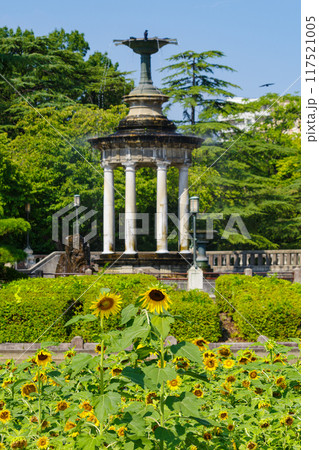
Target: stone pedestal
x=248, y=272
x=195, y=279
x=30, y=261
x=297, y=275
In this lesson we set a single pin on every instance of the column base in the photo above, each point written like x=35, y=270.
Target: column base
x=130, y=252
x=107, y=253
x=187, y=252
x=162, y=251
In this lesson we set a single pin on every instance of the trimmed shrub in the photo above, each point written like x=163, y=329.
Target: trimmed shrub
x=8, y=274
x=262, y=305
x=198, y=308
x=29, y=307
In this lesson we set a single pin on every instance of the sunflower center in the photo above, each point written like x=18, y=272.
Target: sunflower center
x=156, y=295
x=42, y=357
x=105, y=303
x=4, y=414
x=174, y=383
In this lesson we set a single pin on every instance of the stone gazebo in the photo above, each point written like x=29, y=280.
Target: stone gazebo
x=146, y=138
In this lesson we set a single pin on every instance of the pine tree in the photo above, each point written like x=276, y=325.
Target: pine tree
x=195, y=87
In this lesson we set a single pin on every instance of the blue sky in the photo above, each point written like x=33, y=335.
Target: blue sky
x=260, y=38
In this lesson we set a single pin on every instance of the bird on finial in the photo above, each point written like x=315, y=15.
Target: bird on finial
x=145, y=35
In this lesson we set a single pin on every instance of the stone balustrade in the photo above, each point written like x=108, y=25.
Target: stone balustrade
x=258, y=260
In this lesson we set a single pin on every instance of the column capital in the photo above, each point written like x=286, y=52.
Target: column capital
x=184, y=166
x=162, y=165
x=107, y=165
x=129, y=164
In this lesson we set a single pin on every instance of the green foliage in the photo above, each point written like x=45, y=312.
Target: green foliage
x=8, y=274
x=201, y=314
x=28, y=307
x=27, y=302
x=267, y=306
x=179, y=398
x=195, y=87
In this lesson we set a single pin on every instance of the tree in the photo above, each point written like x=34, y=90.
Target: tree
x=13, y=188
x=255, y=174
x=195, y=87
x=50, y=71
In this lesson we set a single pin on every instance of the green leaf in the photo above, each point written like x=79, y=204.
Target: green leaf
x=134, y=374
x=155, y=375
x=164, y=434
x=127, y=313
x=106, y=404
x=162, y=324
x=78, y=363
x=188, y=350
x=86, y=318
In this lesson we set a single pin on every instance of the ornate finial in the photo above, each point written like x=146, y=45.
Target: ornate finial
x=145, y=35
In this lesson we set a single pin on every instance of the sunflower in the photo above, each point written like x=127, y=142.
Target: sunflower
x=19, y=442
x=62, y=405
x=45, y=424
x=253, y=375
x=159, y=364
x=288, y=420
x=198, y=392
x=2, y=404
x=33, y=419
x=201, y=343
x=86, y=406
x=2, y=445
x=230, y=427
x=228, y=363
x=193, y=447
x=280, y=381
x=263, y=405
x=228, y=388
x=27, y=389
x=92, y=418
x=42, y=358
x=5, y=416
x=223, y=415
x=243, y=360
x=259, y=391
x=209, y=354
x=155, y=300
x=251, y=445
x=181, y=362
x=211, y=363
x=76, y=433
x=207, y=436
x=98, y=349
x=224, y=352
x=151, y=396
x=40, y=376
x=69, y=354
x=7, y=382
x=264, y=424
x=121, y=431
x=116, y=371
x=106, y=304
x=69, y=425
x=231, y=379
x=246, y=383
x=43, y=442
x=175, y=383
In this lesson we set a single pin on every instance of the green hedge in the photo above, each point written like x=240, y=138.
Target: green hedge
x=262, y=305
x=8, y=274
x=29, y=307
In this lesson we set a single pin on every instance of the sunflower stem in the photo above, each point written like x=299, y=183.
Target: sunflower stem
x=162, y=393
x=40, y=406
x=102, y=362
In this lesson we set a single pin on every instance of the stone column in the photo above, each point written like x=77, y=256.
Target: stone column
x=161, y=207
x=108, y=209
x=130, y=208
x=183, y=215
